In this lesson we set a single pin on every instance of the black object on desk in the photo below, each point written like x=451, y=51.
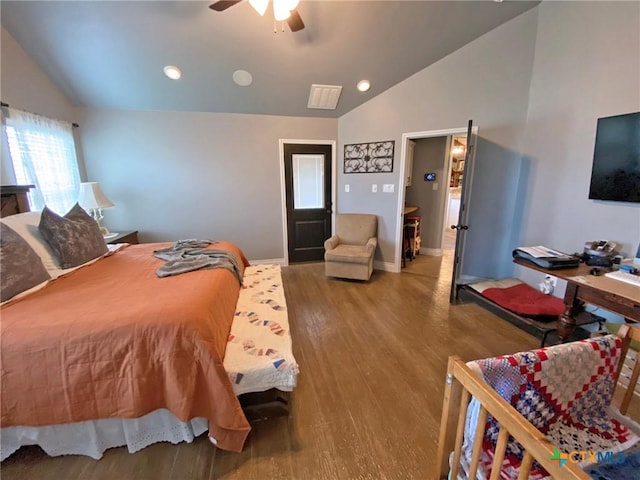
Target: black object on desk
x=550, y=263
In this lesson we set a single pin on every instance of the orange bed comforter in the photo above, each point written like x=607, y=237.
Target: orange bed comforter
x=113, y=340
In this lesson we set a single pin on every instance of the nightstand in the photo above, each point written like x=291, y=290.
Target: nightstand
x=124, y=237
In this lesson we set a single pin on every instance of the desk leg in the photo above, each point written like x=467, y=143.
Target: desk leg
x=567, y=321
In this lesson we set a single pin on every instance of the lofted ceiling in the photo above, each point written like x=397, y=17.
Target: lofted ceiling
x=111, y=54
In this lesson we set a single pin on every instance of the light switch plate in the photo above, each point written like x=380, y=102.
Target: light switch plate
x=374, y=188
x=347, y=188
x=388, y=187
x=435, y=185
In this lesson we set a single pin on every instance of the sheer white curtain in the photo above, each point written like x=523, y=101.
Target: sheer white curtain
x=43, y=154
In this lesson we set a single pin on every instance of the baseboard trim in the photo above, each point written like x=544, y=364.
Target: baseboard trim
x=277, y=261
x=436, y=252
x=377, y=265
x=384, y=266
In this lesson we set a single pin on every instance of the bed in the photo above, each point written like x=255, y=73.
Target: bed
x=107, y=353
x=496, y=410
x=524, y=306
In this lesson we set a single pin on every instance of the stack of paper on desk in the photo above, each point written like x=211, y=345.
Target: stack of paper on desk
x=546, y=257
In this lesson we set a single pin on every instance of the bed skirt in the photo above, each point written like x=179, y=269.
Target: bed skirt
x=93, y=437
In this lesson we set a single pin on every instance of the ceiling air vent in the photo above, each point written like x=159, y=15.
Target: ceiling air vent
x=324, y=96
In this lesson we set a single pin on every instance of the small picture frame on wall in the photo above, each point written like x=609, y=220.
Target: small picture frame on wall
x=373, y=157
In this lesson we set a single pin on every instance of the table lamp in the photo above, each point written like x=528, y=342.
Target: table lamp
x=93, y=201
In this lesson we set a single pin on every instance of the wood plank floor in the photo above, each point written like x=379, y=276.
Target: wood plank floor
x=372, y=362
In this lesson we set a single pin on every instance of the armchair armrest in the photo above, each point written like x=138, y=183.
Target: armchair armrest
x=371, y=245
x=331, y=242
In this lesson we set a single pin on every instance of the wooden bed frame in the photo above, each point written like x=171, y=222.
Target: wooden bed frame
x=462, y=383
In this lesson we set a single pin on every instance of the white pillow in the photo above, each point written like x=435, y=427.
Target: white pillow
x=26, y=225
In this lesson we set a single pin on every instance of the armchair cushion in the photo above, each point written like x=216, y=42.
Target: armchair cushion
x=356, y=228
x=348, y=254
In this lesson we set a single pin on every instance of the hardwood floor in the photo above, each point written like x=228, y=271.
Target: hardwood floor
x=372, y=362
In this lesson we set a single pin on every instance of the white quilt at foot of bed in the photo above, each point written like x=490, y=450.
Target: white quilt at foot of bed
x=259, y=354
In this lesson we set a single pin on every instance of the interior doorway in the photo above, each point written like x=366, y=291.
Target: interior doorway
x=436, y=186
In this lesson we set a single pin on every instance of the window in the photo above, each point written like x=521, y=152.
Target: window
x=43, y=154
x=308, y=181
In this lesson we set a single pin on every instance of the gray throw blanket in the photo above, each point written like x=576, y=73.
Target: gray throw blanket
x=189, y=255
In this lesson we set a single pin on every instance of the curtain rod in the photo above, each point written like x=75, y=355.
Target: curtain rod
x=6, y=105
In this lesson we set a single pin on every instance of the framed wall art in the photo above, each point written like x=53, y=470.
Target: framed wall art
x=374, y=157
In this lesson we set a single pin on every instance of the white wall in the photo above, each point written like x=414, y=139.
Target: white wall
x=487, y=81
x=23, y=85
x=587, y=65
x=176, y=175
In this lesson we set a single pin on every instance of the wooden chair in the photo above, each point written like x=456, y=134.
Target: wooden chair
x=462, y=383
x=628, y=369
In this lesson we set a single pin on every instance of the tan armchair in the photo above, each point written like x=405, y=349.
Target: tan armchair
x=349, y=253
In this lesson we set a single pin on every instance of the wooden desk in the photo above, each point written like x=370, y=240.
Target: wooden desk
x=408, y=210
x=613, y=295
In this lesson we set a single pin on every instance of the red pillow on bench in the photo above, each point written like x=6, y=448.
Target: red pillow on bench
x=525, y=300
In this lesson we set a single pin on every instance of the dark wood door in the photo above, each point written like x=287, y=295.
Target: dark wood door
x=307, y=170
x=463, y=215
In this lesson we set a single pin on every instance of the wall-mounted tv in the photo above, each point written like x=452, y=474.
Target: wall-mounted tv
x=615, y=174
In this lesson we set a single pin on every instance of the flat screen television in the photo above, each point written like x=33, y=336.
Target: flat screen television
x=615, y=174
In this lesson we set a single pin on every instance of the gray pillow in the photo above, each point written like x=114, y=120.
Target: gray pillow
x=74, y=238
x=21, y=266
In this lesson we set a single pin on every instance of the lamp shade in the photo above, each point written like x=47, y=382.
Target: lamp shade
x=91, y=196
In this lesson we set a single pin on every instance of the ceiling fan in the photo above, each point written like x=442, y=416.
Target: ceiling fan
x=282, y=10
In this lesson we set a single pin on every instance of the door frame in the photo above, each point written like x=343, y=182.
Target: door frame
x=403, y=161
x=283, y=193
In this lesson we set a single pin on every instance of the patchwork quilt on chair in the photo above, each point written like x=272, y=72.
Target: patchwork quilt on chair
x=565, y=391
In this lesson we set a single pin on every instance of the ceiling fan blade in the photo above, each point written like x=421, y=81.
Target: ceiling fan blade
x=222, y=5
x=295, y=21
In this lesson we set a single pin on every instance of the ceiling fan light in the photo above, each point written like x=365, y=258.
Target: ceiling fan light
x=259, y=6
x=290, y=4
x=280, y=10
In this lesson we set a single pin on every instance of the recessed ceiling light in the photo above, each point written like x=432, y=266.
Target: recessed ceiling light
x=242, y=78
x=364, y=85
x=172, y=72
